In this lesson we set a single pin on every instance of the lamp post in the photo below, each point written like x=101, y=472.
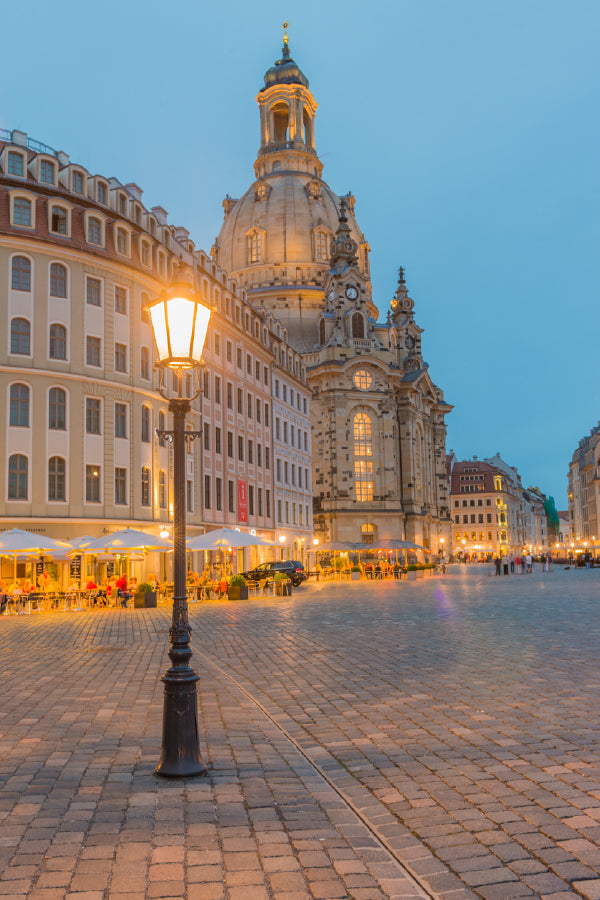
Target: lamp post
x=180, y=323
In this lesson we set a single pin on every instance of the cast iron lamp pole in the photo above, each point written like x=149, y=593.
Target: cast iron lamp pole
x=180, y=322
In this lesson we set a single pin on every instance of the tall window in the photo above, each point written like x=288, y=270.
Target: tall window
x=92, y=415
x=122, y=243
x=255, y=246
x=46, y=172
x=20, y=336
x=19, y=405
x=92, y=484
x=93, y=291
x=56, y=479
x=59, y=220
x=18, y=467
x=162, y=489
x=207, y=492
x=121, y=300
x=22, y=211
x=92, y=351
x=321, y=245
x=101, y=193
x=58, y=280
x=120, y=358
x=58, y=342
x=57, y=409
x=231, y=496
x=145, y=424
x=21, y=274
x=358, y=325
x=120, y=486
x=15, y=164
x=218, y=440
x=120, y=420
x=217, y=389
x=94, y=231
x=145, y=486
x=229, y=395
x=219, y=493
x=363, y=458
x=77, y=182
x=145, y=363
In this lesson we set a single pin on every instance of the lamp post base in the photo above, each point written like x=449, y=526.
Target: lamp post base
x=180, y=756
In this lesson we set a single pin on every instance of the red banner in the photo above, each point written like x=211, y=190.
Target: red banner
x=242, y=502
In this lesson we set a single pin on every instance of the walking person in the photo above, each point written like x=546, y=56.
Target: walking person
x=498, y=563
x=523, y=564
x=529, y=564
x=511, y=559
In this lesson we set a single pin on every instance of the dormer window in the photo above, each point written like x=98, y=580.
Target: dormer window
x=77, y=182
x=122, y=241
x=255, y=245
x=22, y=211
x=47, y=171
x=94, y=230
x=15, y=165
x=59, y=221
x=101, y=193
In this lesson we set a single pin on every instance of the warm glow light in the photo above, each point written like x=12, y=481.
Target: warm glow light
x=315, y=541
x=180, y=322
x=164, y=534
x=282, y=538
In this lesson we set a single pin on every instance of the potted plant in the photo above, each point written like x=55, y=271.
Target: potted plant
x=411, y=572
x=237, y=589
x=145, y=596
x=283, y=585
x=355, y=573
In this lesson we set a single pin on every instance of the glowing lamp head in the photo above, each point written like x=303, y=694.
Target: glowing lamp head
x=180, y=322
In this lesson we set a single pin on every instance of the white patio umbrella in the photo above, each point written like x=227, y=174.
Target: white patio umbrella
x=126, y=541
x=221, y=538
x=17, y=541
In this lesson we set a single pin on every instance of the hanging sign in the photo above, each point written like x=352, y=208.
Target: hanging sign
x=242, y=501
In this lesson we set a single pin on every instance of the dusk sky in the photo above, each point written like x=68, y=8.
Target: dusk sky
x=467, y=130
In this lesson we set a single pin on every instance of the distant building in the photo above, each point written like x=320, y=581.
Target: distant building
x=491, y=511
x=584, y=489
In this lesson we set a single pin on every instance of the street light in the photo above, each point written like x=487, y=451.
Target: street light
x=180, y=323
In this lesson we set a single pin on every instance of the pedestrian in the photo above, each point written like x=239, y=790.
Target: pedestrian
x=523, y=564
x=505, y=564
x=529, y=564
x=512, y=564
x=498, y=563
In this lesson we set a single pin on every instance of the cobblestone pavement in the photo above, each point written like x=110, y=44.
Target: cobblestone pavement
x=356, y=734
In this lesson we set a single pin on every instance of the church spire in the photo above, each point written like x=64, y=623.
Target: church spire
x=402, y=304
x=343, y=247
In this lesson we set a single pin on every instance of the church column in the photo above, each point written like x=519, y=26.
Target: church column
x=298, y=117
x=264, y=137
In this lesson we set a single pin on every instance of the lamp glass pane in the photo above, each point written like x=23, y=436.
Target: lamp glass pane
x=159, y=325
x=202, y=317
x=181, y=319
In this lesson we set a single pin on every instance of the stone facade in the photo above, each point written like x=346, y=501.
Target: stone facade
x=80, y=259
x=378, y=430
x=584, y=490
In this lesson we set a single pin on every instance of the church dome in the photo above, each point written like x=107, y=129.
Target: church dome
x=285, y=71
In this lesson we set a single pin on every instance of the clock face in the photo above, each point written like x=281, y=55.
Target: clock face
x=351, y=293
x=410, y=343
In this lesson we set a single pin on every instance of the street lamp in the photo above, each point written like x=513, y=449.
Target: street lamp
x=180, y=323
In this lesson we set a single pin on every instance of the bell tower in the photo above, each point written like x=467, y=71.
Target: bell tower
x=287, y=117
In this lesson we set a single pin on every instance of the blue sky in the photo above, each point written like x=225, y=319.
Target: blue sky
x=467, y=129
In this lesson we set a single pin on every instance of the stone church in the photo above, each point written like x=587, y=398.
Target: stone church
x=378, y=430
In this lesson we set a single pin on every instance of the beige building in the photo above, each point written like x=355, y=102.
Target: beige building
x=584, y=491
x=378, y=430
x=492, y=514
x=80, y=259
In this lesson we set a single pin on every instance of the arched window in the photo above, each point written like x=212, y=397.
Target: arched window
x=19, y=405
x=145, y=363
x=94, y=231
x=56, y=479
x=21, y=273
x=58, y=280
x=22, y=211
x=321, y=245
x=18, y=468
x=146, y=424
x=358, y=325
x=145, y=486
x=20, y=336
x=59, y=222
x=58, y=342
x=363, y=457
x=57, y=409
x=322, y=331
x=281, y=116
x=255, y=246
x=367, y=533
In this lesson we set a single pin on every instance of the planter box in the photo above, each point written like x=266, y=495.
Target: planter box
x=420, y=573
x=237, y=592
x=355, y=576
x=145, y=601
x=412, y=574
x=283, y=589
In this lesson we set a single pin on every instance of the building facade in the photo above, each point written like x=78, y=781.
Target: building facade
x=492, y=514
x=378, y=429
x=584, y=490
x=80, y=259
